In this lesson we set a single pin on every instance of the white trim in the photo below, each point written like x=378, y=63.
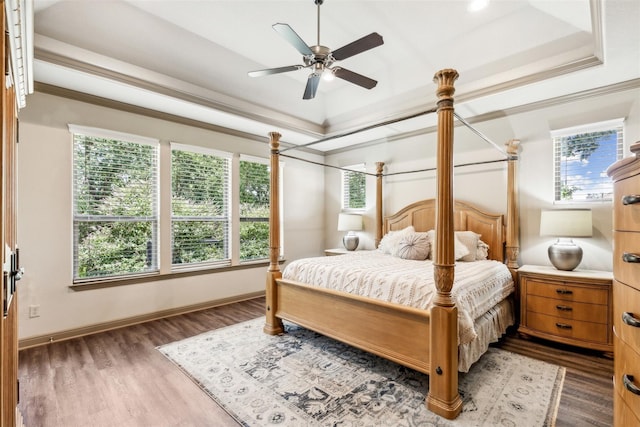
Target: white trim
x=112, y=134
x=254, y=159
x=588, y=128
x=199, y=150
x=19, y=17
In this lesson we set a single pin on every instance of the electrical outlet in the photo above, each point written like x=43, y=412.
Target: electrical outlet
x=34, y=311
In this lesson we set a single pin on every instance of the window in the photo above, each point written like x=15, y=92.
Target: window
x=115, y=203
x=200, y=215
x=354, y=196
x=254, y=209
x=218, y=214
x=581, y=158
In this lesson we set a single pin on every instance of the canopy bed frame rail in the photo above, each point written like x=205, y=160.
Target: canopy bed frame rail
x=401, y=334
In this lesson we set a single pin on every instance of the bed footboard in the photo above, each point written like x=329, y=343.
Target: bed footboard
x=392, y=331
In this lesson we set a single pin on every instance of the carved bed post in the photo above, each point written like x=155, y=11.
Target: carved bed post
x=513, y=215
x=273, y=325
x=443, y=398
x=379, y=225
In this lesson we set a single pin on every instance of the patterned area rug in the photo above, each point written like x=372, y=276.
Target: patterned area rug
x=305, y=379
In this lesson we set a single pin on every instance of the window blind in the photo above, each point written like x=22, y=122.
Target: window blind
x=581, y=158
x=254, y=208
x=115, y=204
x=200, y=213
x=354, y=187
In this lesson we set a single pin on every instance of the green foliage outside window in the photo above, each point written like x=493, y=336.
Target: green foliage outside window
x=114, y=205
x=354, y=194
x=115, y=208
x=357, y=195
x=254, y=210
x=200, y=207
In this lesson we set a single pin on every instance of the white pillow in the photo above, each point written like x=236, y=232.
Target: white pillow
x=460, y=250
x=414, y=246
x=470, y=241
x=390, y=241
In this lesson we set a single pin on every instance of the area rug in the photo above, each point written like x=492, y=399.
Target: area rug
x=302, y=378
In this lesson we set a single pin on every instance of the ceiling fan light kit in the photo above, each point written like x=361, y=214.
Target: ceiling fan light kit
x=320, y=59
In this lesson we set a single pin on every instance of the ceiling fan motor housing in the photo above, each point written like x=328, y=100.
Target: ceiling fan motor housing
x=321, y=56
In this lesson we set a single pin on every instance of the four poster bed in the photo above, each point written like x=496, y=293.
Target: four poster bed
x=404, y=323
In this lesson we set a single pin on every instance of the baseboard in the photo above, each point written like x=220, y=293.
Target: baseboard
x=19, y=418
x=103, y=327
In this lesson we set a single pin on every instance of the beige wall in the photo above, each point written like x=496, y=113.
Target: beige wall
x=45, y=222
x=486, y=185
x=310, y=208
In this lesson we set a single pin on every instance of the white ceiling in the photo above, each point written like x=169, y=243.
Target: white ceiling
x=191, y=58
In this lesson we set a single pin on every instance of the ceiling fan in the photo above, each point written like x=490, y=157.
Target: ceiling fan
x=321, y=59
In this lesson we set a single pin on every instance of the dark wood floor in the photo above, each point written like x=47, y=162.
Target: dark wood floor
x=118, y=378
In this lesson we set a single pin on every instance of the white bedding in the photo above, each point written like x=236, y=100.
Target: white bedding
x=478, y=286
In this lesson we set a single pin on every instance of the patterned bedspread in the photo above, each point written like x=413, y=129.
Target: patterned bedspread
x=477, y=287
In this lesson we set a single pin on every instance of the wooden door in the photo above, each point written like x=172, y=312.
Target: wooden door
x=8, y=242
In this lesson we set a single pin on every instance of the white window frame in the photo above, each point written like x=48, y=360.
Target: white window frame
x=344, y=194
x=163, y=212
x=264, y=161
x=558, y=135
x=155, y=218
x=227, y=261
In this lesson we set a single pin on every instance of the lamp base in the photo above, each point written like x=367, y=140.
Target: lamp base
x=350, y=241
x=565, y=255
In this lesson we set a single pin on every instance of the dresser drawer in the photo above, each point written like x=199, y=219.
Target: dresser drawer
x=626, y=314
x=626, y=254
x=626, y=217
x=567, y=292
x=568, y=309
x=572, y=329
x=626, y=365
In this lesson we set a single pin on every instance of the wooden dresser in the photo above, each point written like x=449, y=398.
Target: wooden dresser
x=626, y=288
x=571, y=307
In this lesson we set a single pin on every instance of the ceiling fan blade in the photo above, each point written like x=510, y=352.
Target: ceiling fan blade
x=269, y=71
x=355, y=78
x=358, y=46
x=312, y=86
x=293, y=38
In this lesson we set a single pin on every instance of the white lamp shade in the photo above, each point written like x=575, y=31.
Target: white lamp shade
x=566, y=223
x=349, y=222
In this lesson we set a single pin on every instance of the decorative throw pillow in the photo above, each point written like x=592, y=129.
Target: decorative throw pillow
x=460, y=250
x=414, y=246
x=470, y=241
x=482, y=251
x=389, y=243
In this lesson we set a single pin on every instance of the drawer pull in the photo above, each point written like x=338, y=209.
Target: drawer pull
x=629, y=385
x=630, y=319
x=631, y=199
x=564, y=308
x=563, y=326
x=631, y=258
x=564, y=291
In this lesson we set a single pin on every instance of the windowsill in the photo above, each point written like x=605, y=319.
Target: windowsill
x=154, y=277
x=582, y=202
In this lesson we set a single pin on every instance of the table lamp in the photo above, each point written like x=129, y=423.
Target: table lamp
x=350, y=223
x=564, y=254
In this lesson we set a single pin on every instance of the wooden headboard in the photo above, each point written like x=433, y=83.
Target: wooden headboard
x=422, y=216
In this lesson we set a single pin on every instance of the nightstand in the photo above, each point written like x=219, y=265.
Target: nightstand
x=335, y=251
x=570, y=307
